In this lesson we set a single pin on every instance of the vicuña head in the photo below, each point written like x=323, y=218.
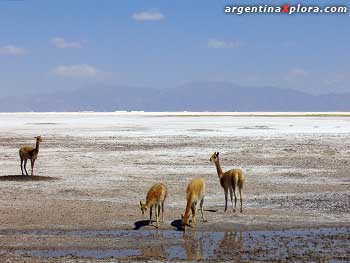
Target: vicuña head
x=155, y=197
x=229, y=180
x=143, y=207
x=185, y=220
x=38, y=138
x=215, y=157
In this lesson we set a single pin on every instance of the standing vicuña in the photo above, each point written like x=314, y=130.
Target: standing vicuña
x=28, y=152
x=155, y=197
x=229, y=180
x=194, y=194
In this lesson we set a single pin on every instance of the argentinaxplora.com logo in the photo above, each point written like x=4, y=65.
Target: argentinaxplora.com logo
x=285, y=9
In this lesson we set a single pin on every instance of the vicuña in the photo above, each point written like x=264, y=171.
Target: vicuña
x=28, y=152
x=195, y=195
x=155, y=197
x=229, y=180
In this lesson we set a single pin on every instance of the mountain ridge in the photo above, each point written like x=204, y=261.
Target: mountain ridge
x=195, y=96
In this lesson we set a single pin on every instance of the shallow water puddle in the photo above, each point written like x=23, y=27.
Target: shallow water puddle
x=297, y=244
x=83, y=253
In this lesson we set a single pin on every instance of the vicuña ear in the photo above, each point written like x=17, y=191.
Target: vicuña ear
x=217, y=154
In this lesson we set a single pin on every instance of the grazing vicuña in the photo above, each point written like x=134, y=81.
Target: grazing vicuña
x=155, y=197
x=194, y=194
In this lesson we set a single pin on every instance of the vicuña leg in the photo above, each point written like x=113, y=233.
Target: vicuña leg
x=231, y=195
x=202, y=210
x=157, y=208
x=25, y=167
x=163, y=212
x=32, y=165
x=234, y=191
x=226, y=193
x=22, y=166
x=194, y=210
x=240, y=197
x=150, y=216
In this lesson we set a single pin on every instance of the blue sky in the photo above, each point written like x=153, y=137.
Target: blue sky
x=64, y=45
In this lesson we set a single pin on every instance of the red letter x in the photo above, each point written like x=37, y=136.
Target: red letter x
x=285, y=8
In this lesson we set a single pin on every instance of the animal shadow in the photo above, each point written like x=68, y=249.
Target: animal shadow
x=26, y=178
x=141, y=223
x=211, y=210
x=178, y=225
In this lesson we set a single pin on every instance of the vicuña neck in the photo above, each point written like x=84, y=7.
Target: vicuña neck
x=37, y=146
x=218, y=168
x=188, y=207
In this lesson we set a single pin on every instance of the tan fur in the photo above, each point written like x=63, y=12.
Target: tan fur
x=194, y=194
x=229, y=180
x=155, y=197
x=27, y=152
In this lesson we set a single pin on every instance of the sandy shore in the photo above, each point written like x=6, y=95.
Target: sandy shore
x=91, y=175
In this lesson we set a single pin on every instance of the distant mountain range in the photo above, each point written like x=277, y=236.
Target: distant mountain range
x=199, y=96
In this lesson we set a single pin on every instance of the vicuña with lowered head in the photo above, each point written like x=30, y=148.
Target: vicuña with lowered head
x=195, y=195
x=155, y=197
x=28, y=152
x=229, y=180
